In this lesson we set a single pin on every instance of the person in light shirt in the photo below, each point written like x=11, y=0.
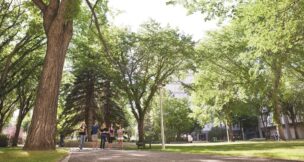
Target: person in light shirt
x=120, y=132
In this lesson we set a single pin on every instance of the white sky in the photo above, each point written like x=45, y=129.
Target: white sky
x=136, y=12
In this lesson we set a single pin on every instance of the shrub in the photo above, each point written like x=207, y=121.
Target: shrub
x=3, y=140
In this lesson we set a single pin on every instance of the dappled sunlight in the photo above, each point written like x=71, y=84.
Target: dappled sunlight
x=105, y=158
x=138, y=155
x=23, y=154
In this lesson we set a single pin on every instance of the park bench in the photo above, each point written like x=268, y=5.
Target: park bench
x=143, y=144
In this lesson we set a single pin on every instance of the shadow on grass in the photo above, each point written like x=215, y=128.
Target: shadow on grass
x=16, y=154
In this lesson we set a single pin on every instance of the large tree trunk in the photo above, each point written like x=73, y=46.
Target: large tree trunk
x=1, y=125
x=277, y=71
x=227, y=131
x=260, y=127
x=230, y=131
x=18, y=126
x=141, y=133
x=59, y=33
x=107, y=103
x=90, y=104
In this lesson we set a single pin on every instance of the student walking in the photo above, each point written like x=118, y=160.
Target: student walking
x=104, y=135
x=95, y=128
x=82, y=134
x=111, y=136
x=120, y=132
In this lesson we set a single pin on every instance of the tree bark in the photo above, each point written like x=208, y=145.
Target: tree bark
x=107, y=103
x=18, y=127
x=59, y=33
x=90, y=104
x=277, y=72
x=141, y=133
x=1, y=125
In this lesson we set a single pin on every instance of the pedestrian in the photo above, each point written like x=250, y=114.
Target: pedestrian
x=111, y=136
x=95, y=128
x=104, y=135
x=120, y=137
x=82, y=134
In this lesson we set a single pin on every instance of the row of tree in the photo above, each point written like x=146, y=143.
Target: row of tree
x=255, y=61
x=107, y=70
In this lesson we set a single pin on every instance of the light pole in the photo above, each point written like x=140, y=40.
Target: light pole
x=161, y=117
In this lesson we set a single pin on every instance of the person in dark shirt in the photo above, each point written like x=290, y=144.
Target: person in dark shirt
x=95, y=128
x=104, y=134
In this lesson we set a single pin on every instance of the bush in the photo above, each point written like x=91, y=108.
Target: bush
x=3, y=140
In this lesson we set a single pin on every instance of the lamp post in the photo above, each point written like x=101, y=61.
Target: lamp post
x=161, y=117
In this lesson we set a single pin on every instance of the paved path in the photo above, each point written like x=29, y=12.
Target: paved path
x=89, y=155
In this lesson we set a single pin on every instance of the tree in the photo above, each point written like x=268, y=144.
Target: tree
x=91, y=96
x=18, y=46
x=142, y=62
x=146, y=61
x=58, y=26
x=25, y=93
x=273, y=33
x=177, y=118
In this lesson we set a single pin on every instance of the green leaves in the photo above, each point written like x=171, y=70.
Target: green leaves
x=72, y=9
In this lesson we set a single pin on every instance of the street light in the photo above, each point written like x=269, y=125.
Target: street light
x=162, y=117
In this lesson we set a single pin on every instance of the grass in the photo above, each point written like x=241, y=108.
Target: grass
x=291, y=150
x=18, y=155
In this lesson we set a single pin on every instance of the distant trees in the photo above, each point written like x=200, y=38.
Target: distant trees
x=252, y=61
x=177, y=120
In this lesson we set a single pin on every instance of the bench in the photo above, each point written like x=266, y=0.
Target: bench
x=142, y=144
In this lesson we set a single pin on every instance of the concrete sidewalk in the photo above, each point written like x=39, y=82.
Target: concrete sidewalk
x=90, y=155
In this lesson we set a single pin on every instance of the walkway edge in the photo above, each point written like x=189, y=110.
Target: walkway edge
x=66, y=158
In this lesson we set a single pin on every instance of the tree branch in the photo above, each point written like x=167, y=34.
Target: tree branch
x=40, y=4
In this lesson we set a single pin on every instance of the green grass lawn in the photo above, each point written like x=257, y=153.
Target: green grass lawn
x=293, y=150
x=19, y=155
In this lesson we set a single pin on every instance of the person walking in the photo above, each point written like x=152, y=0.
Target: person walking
x=120, y=137
x=104, y=135
x=111, y=136
x=82, y=134
x=95, y=128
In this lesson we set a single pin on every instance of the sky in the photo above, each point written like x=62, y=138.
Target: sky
x=135, y=12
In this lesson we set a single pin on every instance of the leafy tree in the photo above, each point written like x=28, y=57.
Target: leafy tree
x=268, y=34
x=143, y=61
x=19, y=45
x=273, y=29
x=91, y=96
x=176, y=119
x=148, y=60
x=58, y=27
